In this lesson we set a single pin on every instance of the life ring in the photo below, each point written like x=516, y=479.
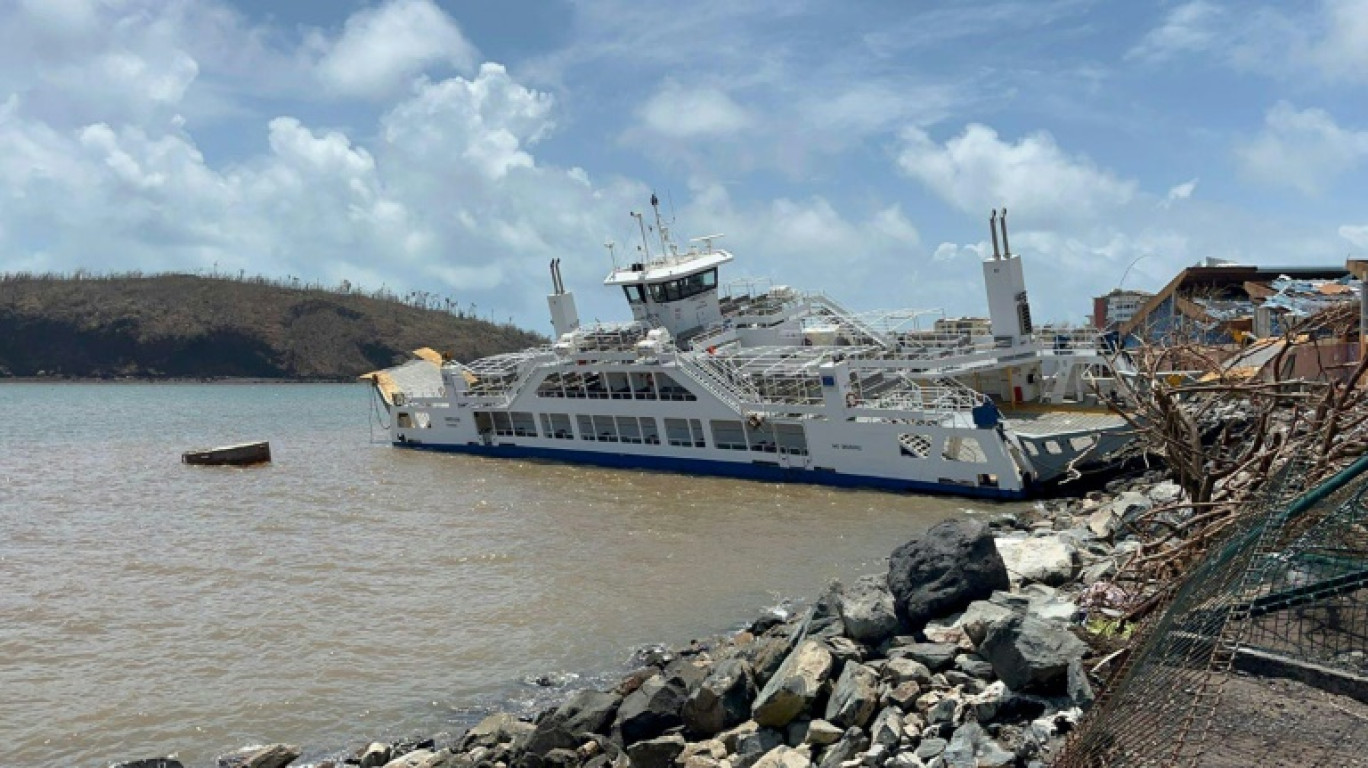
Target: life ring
x=851, y=400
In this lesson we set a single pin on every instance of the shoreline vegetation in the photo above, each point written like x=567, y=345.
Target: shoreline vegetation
x=977, y=647
x=183, y=327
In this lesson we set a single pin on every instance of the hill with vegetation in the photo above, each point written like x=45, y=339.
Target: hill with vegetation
x=188, y=326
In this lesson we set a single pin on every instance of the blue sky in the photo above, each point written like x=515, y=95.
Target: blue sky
x=853, y=147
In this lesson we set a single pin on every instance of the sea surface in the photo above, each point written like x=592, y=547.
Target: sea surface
x=351, y=591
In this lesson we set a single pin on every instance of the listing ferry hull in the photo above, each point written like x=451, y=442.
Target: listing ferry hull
x=775, y=385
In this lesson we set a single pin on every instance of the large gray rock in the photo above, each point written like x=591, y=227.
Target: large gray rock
x=886, y=729
x=650, y=710
x=498, y=728
x=970, y=747
x=587, y=711
x=936, y=656
x=866, y=609
x=722, y=700
x=854, y=697
x=982, y=615
x=273, y=756
x=1041, y=559
x=784, y=757
x=1030, y=654
x=656, y=753
x=943, y=570
x=902, y=670
x=794, y=686
x=753, y=746
x=852, y=743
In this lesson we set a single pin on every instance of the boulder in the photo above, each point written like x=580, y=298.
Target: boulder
x=795, y=685
x=785, y=757
x=930, y=748
x=974, y=666
x=753, y=746
x=1042, y=559
x=375, y=755
x=853, y=742
x=498, y=728
x=150, y=762
x=1129, y=505
x=980, y=616
x=650, y=710
x=970, y=747
x=902, y=670
x=722, y=700
x=886, y=730
x=903, y=696
x=854, y=697
x=943, y=570
x=656, y=753
x=273, y=756
x=866, y=610
x=587, y=711
x=821, y=733
x=936, y=656
x=1031, y=654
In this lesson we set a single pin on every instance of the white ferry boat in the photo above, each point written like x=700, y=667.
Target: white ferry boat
x=769, y=383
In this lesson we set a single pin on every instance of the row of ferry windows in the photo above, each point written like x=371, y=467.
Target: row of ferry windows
x=685, y=433
x=673, y=290
x=614, y=385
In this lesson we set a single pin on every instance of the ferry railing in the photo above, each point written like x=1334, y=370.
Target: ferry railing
x=846, y=319
x=703, y=370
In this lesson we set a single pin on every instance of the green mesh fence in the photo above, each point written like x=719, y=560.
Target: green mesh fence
x=1261, y=657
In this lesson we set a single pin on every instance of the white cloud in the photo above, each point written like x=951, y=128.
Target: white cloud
x=1188, y=28
x=1339, y=53
x=976, y=171
x=1356, y=234
x=490, y=118
x=687, y=113
x=1302, y=149
x=1179, y=192
x=382, y=49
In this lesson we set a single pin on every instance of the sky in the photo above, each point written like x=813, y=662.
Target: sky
x=854, y=147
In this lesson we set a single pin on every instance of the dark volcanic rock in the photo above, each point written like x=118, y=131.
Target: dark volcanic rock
x=587, y=711
x=854, y=697
x=151, y=762
x=1030, y=654
x=943, y=571
x=656, y=753
x=651, y=710
x=936, y=656
x=722, y=700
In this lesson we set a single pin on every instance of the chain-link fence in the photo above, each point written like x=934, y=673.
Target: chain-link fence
x=1261, y=657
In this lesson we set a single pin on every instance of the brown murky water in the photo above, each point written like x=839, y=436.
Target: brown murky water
x=349, y=590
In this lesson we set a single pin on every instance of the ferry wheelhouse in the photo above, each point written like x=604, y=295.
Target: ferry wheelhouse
x=770, y=383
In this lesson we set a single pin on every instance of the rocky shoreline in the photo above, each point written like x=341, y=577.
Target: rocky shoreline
x=973, y=649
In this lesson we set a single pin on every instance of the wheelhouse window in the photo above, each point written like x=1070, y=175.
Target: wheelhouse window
x=636, y=294
x=684, y=287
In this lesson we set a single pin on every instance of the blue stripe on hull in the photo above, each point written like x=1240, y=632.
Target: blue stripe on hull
x=743, y=470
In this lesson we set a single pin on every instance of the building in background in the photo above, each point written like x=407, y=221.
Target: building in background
x=1229, y=303
x=1117, y=307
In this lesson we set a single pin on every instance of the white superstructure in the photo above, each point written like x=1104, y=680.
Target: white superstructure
x=771, y=383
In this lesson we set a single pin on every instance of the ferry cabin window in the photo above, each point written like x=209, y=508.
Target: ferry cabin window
x=684, y=287
x=636, y=294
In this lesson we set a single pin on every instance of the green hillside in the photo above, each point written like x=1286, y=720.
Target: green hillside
x=184, y=326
